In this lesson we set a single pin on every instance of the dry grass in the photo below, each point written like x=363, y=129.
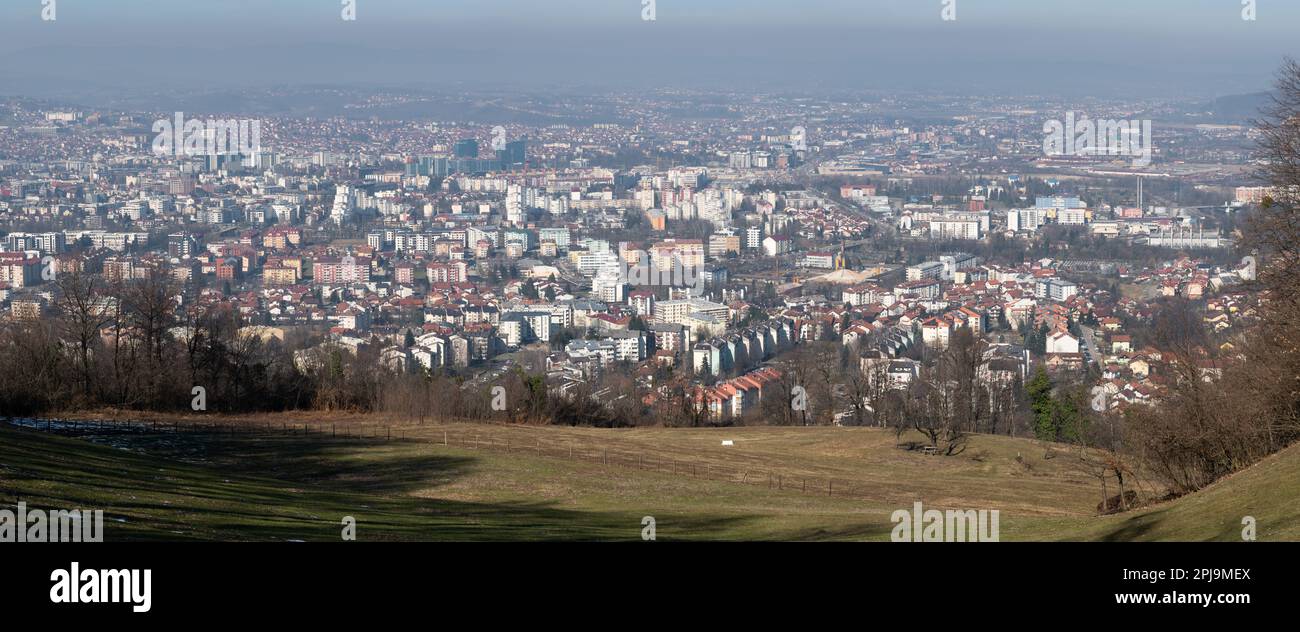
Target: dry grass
x=522, y=482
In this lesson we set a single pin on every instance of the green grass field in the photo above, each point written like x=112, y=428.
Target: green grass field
x=491, y=482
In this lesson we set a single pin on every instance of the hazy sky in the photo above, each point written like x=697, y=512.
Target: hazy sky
x=1104, y=47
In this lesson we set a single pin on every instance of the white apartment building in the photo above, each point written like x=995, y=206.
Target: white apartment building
x=955, y=229
x=927, y=270
x=676, y=311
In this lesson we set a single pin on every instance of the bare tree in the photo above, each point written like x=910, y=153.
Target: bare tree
x=32, y=368
x=858, y=388
x=83, y=311
x=150, y=305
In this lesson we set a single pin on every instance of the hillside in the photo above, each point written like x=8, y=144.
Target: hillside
x=1267, y=491
x=513, y=482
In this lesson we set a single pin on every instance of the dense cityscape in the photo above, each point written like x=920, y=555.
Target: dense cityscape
x=655, y=262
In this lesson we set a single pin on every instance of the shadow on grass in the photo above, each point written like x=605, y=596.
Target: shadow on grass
x=1135, y=528
x=859, y=531
x=1161, y=525
x=251, y=487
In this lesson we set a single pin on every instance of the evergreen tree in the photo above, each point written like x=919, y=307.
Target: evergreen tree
x=1039, y=390
x=529, y=290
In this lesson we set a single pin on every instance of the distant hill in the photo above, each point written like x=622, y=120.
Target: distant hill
x=1236, y=108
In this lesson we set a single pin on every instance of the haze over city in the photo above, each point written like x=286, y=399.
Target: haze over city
x=1108, y=48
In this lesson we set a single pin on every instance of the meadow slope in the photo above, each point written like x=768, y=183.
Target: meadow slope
x=295, y=479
